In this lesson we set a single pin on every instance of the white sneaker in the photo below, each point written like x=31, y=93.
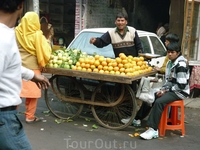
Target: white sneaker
x=125, y=121
x=135, y=123
x=149, y=134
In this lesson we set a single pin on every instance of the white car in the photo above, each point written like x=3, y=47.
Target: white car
x=152, y=45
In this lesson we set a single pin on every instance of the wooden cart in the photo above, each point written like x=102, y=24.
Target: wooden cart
x=110, y=97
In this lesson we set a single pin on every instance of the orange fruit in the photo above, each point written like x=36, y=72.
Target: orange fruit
x=121, y=54
x=137, y=59
x=86, y=60
x=100, y=67
x=89, y=70
x=96, y=57
x=127, y=70
x=110, y=68
x=116, y=68
x=91, y=61
x=150, y=68
x=104, y=63
x=95, y=70
x=79, y=68
x=105, y=68
x=112, y=72
x=96, y=63
x=123, y=57
x=78, y=64
x=118, y=60
x=141, y=58
x=124, y=61
x=126, y=65
x=74, y=68
x=122, y=69
x=87, y=65
x=120, y=65
x=101, y=71
x=101, y=58
x=108, y=60
x=130, y=57
x=139, y=63
x=84, y=69
x=122, y=73
x=106, y=72
x=81, y=60
x=117, y=72
x=83, y=65
x=92, y=66
x=114, y=64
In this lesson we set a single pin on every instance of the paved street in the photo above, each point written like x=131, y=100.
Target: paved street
x=49, y=135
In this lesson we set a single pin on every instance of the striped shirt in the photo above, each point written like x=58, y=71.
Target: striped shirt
x=177, y=77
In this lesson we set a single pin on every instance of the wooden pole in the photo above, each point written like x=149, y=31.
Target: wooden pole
x=190, y=29
x=184, y=39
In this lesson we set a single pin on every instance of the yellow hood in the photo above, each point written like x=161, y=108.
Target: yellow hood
x=31, y=38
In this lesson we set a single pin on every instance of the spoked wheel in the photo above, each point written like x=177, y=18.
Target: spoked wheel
x=122, y=105
x=62, y=86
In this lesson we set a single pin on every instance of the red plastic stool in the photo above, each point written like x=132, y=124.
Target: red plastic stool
x=176, y=123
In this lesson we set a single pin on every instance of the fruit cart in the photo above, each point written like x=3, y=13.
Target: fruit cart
x=110, y=97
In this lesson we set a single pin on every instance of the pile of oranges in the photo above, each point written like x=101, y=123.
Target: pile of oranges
x=122, y=65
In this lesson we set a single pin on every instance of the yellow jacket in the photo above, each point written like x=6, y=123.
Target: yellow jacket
x=162, y=69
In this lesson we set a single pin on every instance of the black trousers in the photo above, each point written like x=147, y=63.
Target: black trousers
x=157, y=109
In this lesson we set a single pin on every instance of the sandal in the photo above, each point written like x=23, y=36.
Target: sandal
x=33, y=121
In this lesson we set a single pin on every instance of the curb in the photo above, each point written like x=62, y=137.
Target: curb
x=192, y=103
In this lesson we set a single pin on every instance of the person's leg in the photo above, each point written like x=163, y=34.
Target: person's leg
x=31, y=105
x=158, y=107
x=12, y=135
x=143, y=111
x=155, y=115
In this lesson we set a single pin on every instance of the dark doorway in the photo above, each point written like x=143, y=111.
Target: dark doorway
x=146, y=14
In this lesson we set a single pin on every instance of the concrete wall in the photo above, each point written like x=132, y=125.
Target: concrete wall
x=145, y=14
x=99, y=14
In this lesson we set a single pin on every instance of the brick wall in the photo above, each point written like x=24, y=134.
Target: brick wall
x=99, y=14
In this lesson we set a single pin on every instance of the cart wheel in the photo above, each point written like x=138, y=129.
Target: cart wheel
x=63, y=86
x=110, y=117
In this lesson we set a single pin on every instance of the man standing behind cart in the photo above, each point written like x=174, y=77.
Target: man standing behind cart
x=124, y=39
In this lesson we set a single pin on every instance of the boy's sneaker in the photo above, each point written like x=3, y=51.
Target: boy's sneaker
x=149, y=134
x=125, y=121
x=135, y=123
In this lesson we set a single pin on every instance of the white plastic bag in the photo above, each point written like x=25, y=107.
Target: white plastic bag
x=145, y=92
x=148, y=97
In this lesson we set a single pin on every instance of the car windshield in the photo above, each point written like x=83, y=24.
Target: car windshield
x=145, y=44
x=157, y=46
x=82, y=43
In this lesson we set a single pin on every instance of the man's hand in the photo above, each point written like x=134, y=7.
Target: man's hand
x=41, y=81
x=92, y=40
x=156, y=68
x=160, y=93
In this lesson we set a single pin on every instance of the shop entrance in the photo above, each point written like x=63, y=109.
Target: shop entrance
x=61, y=15
x=147, y=14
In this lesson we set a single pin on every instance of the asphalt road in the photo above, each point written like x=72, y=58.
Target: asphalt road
x=78, y=134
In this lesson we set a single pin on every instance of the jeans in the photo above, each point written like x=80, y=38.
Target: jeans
x=12, y=135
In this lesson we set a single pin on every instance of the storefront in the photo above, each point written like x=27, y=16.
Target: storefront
x=61, y=15
x=191, y=43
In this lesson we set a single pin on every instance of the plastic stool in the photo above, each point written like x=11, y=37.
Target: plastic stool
x=176, y=123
